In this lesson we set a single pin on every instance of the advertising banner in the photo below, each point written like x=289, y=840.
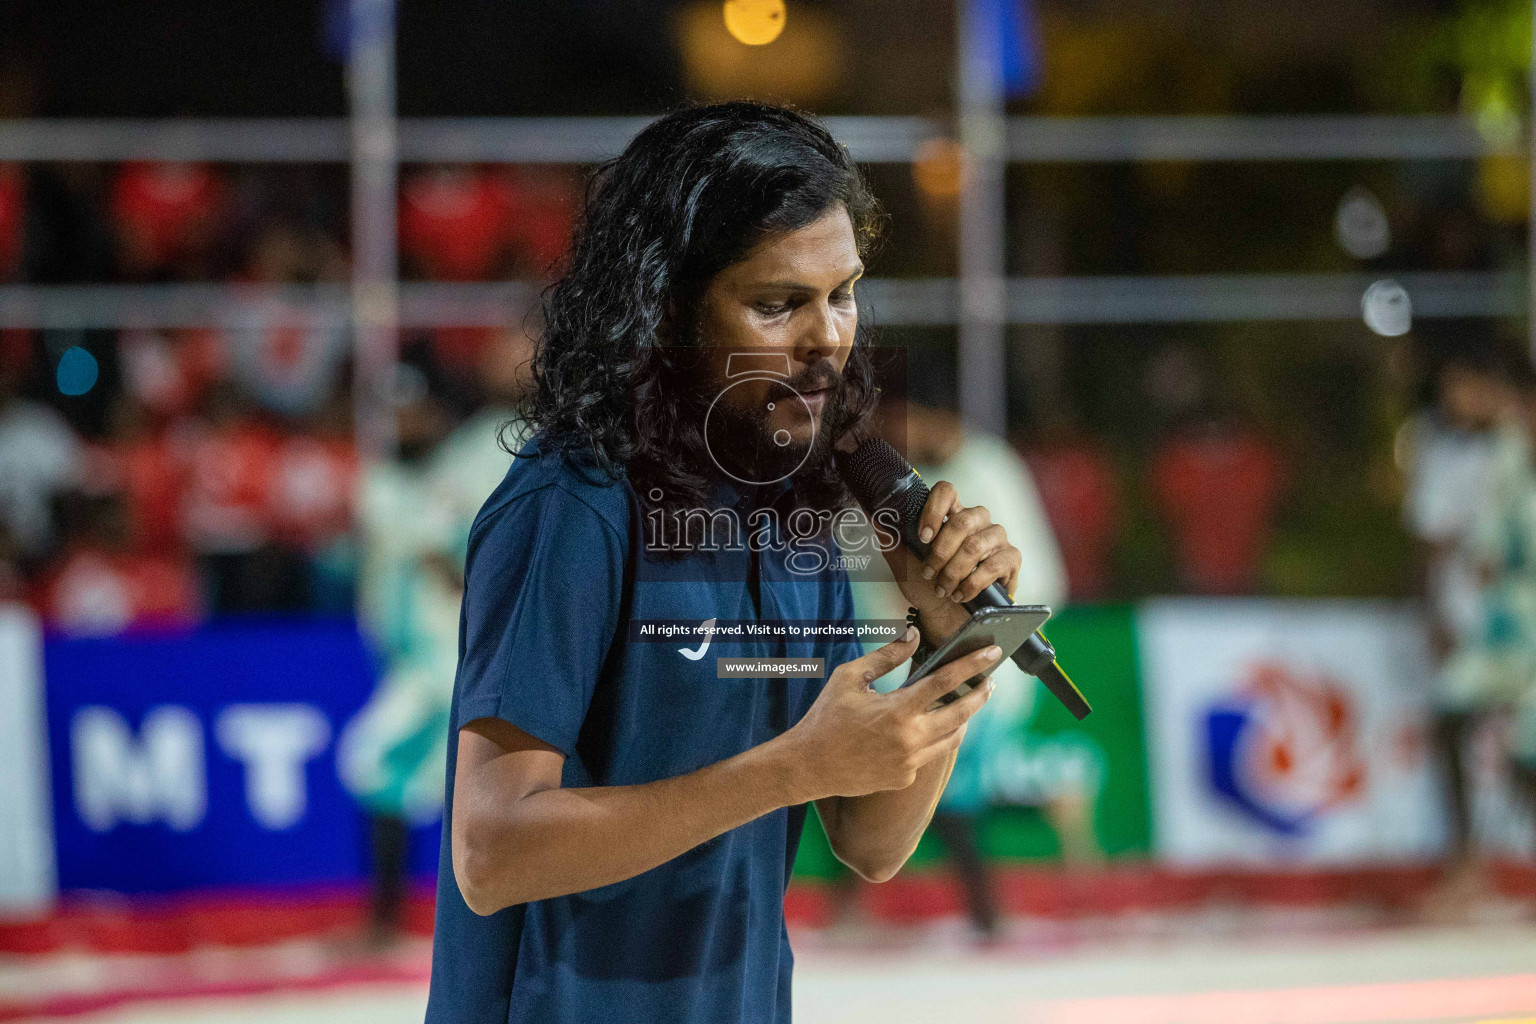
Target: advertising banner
x=206, y=759
x=1059, y=768
x=1289, y=733
x=26, y=834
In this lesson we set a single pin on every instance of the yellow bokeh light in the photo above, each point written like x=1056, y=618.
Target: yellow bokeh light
x=938, y=168
x=804, y=65
x=755, y=22
x=1503, y=187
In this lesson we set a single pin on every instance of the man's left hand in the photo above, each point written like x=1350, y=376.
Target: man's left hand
x=967, y=553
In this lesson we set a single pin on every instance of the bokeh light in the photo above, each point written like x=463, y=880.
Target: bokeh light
x=1387, y=309
x=755, y=22
x=77, y=371
x=938, y=168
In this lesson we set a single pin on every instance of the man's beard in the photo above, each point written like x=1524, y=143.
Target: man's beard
x=742, y=441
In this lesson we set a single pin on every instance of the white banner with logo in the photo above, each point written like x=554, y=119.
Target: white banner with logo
x=26, y=829
x=1289, y=732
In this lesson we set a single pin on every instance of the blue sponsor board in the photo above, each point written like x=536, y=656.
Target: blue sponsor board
x=208, y=759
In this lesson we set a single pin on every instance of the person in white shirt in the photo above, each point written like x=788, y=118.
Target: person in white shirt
x=39, y=457
x=1450, y=454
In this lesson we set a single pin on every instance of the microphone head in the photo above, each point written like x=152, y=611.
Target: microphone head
x=878, y=476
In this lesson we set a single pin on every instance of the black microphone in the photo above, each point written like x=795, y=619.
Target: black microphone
x=880, y=478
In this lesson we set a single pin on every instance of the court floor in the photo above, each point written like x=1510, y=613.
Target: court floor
x=1246, y=970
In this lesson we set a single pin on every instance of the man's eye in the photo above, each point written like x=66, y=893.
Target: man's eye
x=846, y=296
x=772, y=308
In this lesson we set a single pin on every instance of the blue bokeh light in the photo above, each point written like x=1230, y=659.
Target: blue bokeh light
x=77, y=371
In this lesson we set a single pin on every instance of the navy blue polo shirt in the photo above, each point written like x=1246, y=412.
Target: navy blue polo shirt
x=557, y=570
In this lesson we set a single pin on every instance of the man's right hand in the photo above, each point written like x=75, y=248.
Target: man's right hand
x=855, y=740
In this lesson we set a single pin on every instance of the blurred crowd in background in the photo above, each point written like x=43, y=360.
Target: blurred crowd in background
x=213, y=471
x=208, y=471
x=200, y=472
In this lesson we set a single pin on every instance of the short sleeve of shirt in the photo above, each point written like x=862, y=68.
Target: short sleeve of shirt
x=542, y=589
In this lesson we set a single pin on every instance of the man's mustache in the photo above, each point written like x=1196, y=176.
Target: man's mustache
x=814, y=378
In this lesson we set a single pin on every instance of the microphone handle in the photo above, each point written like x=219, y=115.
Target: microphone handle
x=1035, y=656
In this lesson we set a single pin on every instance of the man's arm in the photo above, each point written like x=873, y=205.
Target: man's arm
x=517, y=836
x=874, y=834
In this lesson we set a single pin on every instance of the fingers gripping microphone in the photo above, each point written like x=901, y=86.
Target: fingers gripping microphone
x=879, y=478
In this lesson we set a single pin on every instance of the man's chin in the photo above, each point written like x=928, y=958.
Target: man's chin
x=750, y=449
x=768, y=463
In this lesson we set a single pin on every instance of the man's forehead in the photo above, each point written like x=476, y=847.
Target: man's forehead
x=824, y=248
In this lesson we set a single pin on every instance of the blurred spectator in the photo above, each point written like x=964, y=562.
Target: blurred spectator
x=313, y=497
x=1448, y=454
x=39, y=457
x=166, y=215
x=1218, y=485
x=460, y=223
x=1498, y=669
x=393, y=754
x=99, y=584
x=227, y=516
x=169, y=372
x=986, y=471
x=1468, y=479
x=455, y=222
x=1215, y=479
x=473, y=459
x=314, y=478
x=288, y=358
x=151, y=470
x=1081, y=494
x=547, y=201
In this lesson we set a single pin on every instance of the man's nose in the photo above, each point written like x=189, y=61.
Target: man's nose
x=822, y=337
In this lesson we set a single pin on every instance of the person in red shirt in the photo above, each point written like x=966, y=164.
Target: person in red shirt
x=227, y=513
x=460, y=223
x=284, y=356
x=100, y=584
x=229, y=464
x=1218, y=484
x=168, y=372
x=313, y=481
x=1081, y=493
x=543, y=218
x=454, y=222
x=142, y=463
x=165, y=214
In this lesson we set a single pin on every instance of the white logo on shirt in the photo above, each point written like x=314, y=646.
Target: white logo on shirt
x=709, y=634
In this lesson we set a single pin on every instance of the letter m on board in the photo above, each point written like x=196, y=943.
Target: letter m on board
x=157, y=775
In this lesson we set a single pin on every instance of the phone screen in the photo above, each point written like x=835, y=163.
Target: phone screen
x=1008, y=628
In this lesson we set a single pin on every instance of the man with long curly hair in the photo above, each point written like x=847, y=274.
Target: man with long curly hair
x=623, y=813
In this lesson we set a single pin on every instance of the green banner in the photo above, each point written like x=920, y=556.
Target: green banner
x=1064, y=787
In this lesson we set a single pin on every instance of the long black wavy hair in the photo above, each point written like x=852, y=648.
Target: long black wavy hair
x=615, y=379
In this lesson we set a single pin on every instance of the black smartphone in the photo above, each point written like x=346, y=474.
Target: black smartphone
x=1008, y=628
